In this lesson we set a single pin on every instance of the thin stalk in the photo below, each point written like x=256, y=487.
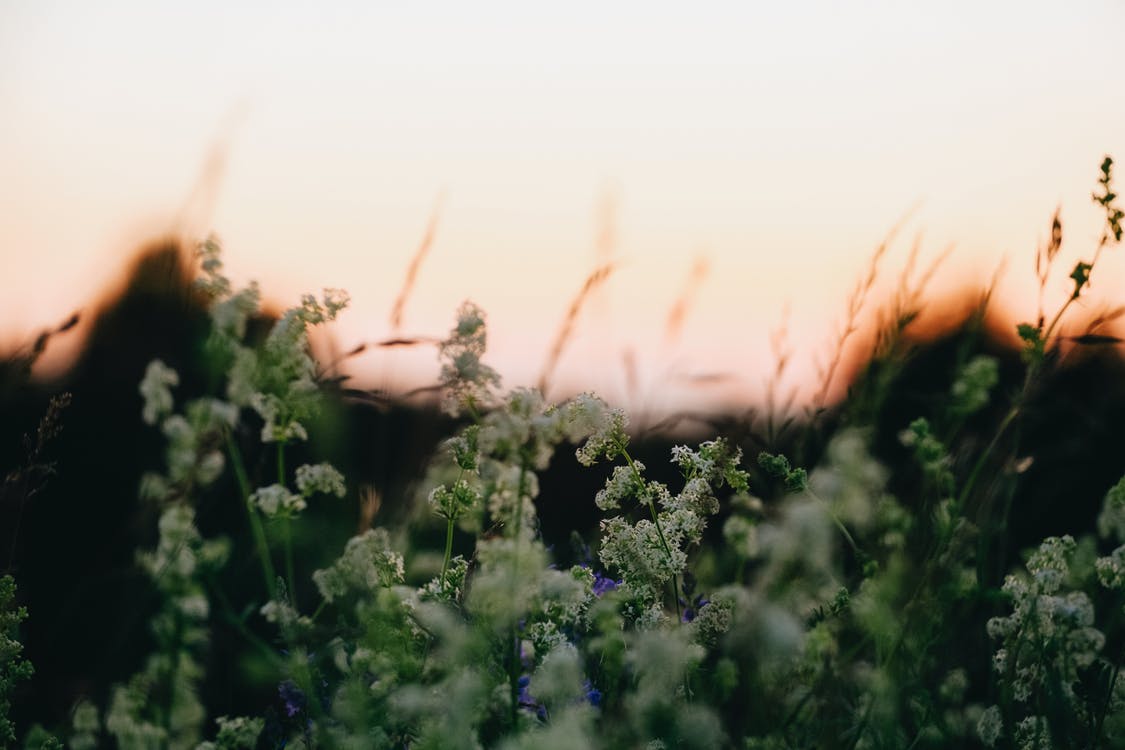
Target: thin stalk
x=514, y=639
x=287, y=540
x=286, y=529
x=448, y=550
x=281, y=463
x=1058, y=316
x=449, y=540
x=256, y=528
x=839, y=524
x=656, y=522
x=239, y=625
x=173, y=671
x=971, y=481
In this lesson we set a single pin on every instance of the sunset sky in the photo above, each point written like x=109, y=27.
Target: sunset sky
x=779, y=141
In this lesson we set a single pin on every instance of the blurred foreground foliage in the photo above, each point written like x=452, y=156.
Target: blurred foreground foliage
x=218, y=544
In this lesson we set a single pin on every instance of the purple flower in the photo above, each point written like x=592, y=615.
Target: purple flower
x=593, y=695
x=527, y=701
x=292, y=696
x=691, y=609
x=604, y=584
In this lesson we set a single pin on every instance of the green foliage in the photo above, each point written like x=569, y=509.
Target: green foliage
x=14, y=669
x=1107, y=199
x=778, y=467
x=859, y=608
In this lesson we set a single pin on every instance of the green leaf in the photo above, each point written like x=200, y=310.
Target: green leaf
x=1081, y=276
x=1032, y=337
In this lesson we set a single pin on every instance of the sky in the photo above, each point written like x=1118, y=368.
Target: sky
x=772, y=144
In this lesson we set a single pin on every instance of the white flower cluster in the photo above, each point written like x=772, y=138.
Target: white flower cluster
x=510, y=491
x=973, y=387
x=277, y=500
x=851, y=481
x=1033, y=733
x=450, y=587
x=191, y=455
x=990, y=726
x=1111, y=521
x=85, y=726
x=506, y=583
x=176, y=567
x=277, y=379
x=126, y=721
x=465, y=448
x=651, y=553
x=181, y=552
x=454, y=502
x=467, y=381
x=741, y=536
x=513, y=442
x=524, y=431
x=1111, y=570
x=714, y=463
x=282, y=613
x=1050, y=635
x=638, y=551
x=240, y=733
x=603, y=428
x=368, y=563
x=156, y=390
x=799, y=552
x=507, y=445
x=322, y=477
x=621, y=485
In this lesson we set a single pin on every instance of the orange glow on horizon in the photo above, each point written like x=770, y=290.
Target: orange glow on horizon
x=778, y=142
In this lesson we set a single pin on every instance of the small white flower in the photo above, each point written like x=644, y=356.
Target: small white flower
x=322, y=477
x=156, y=390
x=990, y=726
x=276, y=499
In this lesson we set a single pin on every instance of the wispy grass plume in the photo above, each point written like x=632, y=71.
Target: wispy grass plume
x=678, y=312
x=566, y=330
x=415, y=264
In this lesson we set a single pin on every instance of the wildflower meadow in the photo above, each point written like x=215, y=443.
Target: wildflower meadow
x=847, y=577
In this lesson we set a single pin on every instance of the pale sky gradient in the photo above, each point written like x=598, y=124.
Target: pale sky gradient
x=781, y=140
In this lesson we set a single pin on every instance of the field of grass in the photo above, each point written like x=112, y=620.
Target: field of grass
x=938, y=561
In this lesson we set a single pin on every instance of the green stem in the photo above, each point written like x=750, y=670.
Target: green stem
x=514, y=639
x=448, y=550
x=287, y=539
x=971, y=481
x=173, y=654
x=839, y=524
x=239, y=625
x=286, y=530
x=449, y=538
x=256, y=528
x=1077, y=292
x=281, y=463
x=656, y=522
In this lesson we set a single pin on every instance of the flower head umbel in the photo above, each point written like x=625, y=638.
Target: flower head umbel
x=589, y=418
x=467, y=381
x=277, y=379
